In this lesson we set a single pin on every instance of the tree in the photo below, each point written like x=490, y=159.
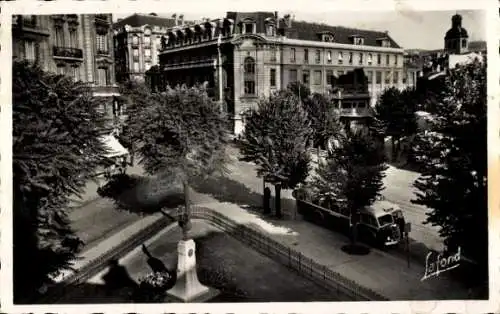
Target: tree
x=56, y=150
x=180, y=133
x=351, y=177
x=396, y=110
x=324, y=120
x=275, y=138
x=453, y=155
x=300, y=90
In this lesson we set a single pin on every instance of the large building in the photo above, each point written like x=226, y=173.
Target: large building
x=79, y=46
x=253, y=54
x=137, y=40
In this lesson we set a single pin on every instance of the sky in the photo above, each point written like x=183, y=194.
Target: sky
x=417, y=29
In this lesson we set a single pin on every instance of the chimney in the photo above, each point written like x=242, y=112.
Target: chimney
x=174, y=16
x=181, y=19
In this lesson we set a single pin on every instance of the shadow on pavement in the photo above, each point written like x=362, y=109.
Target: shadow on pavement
x=225, y=189
x=355, y=249
x=143, y=195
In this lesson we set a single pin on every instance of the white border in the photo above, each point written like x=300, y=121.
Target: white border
x=205, y=8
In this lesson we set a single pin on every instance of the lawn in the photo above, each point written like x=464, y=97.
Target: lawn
x=242, y=274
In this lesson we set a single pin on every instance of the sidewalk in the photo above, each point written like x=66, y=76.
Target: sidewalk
x=378, y=271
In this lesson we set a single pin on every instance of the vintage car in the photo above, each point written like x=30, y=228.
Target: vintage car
x=379, y=224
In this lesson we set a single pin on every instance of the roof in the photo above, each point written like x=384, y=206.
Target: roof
x=378, y=208
x=136, y=20
x=259, y=17
x=456, y=32
x=309, y=31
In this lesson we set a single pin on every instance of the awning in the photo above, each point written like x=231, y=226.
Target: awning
x=113, y=146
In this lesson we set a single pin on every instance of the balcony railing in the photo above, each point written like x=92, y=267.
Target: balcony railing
x=67, y=52
x=103, y=52
x=355, y=112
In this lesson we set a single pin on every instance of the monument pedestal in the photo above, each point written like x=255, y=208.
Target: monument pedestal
x=187, y=287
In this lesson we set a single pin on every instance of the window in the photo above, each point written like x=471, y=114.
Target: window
x=387, y=59
x=340, y=73
x=102, y=44
x=317, y=77
x=147, y=40
x=379, y=59
x=341, y=57
x=73, y=38
x=369, y=76
x=387, y=79
x=102, y=76
x=405, y=77
x=135, y=53
x=135, y=40
x=249, y=76
x=464, y=43
x=158, y=42
x=305, y=77
x=358, y=41
x=147, y=52
x=292, y=55
x=292, y=75
x=136, y=66
x=61, y=69
x=248, y=28
x=395, y=59
x=396, y=77
x=318, y=56
x=306, y=55
x=370, y=59
x=75, y=73
x=329, y=77
x=270, y=30
x=272, y=79
x=273, y=51
x=29, y=50
x=329, y=56
x=361, y=58
x=378, y=78
x=147, y=66
x=350, y=57
x=59, y=36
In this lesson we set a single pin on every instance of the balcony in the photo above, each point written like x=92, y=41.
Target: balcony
x=105, y=91
x=354, y=112
x=67, y=53
x=103, y=52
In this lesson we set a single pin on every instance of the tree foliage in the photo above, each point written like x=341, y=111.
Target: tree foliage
x=275, y=139
x=56, y=149
x=453, y=156
x=300, y=90
x=351, y=177
x=181, y=133
x=324, y=119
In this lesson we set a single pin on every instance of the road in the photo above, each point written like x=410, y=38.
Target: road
x=398, y=189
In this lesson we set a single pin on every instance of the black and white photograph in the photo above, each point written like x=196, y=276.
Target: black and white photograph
x=247, y=156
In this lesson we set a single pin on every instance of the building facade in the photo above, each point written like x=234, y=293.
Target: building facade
x=137, y=42
x=79, y=46
x=253, y=54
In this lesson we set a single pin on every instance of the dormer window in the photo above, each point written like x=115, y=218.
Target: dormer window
x=248, y=28
x=357, y=40
x=327, y=38
x=384, y=42
x=147, y=31
x=270, y=30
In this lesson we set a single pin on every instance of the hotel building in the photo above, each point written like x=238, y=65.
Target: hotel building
x=137, y=42
x=253, y=54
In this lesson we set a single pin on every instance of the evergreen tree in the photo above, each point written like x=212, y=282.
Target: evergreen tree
x=275, y=138
x=180, y=133
x=453, y=156
x=396, y=110
x=351, y=178
x=56, y=150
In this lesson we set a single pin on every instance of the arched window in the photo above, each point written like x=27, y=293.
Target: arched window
x=249, y=76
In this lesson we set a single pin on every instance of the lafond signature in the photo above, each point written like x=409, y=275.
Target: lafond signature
x=436, y=263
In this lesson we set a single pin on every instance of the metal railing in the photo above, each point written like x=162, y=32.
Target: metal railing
x=67, y=52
